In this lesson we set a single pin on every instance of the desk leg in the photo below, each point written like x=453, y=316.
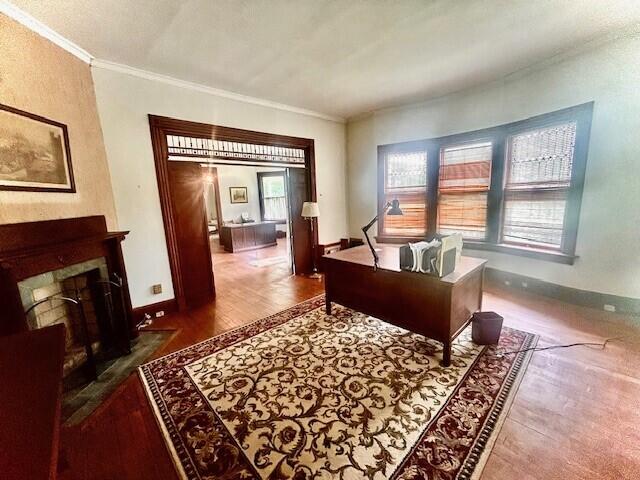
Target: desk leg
x=446, y=354
x=327, y=306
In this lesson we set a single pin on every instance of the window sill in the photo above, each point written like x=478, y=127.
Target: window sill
x=399, y=240
x=538, y=254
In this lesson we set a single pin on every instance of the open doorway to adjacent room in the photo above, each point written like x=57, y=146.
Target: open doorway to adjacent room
x=232, y=202
x=247, y=212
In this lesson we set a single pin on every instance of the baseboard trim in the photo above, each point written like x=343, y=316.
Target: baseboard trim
x=168, y=306
x=574, y=296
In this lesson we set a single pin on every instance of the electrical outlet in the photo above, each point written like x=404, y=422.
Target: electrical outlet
x=160, y=313
x=525, y=284
x=507, y=282
x=156, y=289
x=609, y=308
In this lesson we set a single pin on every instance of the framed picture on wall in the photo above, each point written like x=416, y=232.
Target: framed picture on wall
x=34, y=153
x=238, y=194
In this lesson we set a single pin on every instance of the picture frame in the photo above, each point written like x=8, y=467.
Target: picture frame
x=238, y=195
x=34, y=153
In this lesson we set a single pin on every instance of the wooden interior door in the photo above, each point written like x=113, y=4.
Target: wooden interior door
x=298, y=193
x=186, y=185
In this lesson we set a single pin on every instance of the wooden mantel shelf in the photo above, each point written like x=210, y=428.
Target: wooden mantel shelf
x=64, y=245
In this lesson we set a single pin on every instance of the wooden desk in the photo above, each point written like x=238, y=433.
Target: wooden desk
x=30, y=399
x=438, y=308
x=248, y=236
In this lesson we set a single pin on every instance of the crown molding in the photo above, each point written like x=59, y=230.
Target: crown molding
x=176, y=82
x=41, y=29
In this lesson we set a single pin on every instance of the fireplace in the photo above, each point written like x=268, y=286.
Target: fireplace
x=41, y=297
x=78, y=259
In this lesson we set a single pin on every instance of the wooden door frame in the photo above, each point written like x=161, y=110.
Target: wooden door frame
x=161, y=126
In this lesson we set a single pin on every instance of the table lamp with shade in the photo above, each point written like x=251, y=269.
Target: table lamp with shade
x=310, y=211
x=391, y=208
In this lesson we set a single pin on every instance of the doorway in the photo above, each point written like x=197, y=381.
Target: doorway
x=249, y=222
x=180, y=149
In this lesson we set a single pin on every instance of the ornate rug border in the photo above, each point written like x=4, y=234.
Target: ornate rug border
x=474, y=462
x=158, y=416
x=479, y=454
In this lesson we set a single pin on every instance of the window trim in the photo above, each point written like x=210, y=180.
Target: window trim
x=499, y=137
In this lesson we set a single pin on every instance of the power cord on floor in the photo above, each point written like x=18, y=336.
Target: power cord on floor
x=552, y=347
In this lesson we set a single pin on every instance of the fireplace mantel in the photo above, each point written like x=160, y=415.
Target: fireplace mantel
x=32, y=248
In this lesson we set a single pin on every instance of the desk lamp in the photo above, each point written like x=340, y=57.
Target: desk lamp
x=394, y=209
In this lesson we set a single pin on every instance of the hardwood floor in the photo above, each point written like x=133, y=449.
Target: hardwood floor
x=575, y=416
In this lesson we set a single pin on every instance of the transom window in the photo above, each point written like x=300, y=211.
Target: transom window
x=514, y=188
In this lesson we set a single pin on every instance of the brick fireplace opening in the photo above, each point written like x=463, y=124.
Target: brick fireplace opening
x=84, y=281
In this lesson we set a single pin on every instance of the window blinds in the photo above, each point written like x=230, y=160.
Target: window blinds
x=406, y=180
x=537, y=184
x=463, y=186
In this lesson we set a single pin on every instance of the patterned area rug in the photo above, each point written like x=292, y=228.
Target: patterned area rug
x=305, y=395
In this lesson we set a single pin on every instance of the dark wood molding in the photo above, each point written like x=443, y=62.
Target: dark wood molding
x=167, y=306
x=161, y=126
x=67, y=146
x=571, y=295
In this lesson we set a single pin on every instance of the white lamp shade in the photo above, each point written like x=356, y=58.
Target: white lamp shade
x=310, y=210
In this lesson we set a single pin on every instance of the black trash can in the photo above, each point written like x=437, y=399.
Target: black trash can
x=485, y=328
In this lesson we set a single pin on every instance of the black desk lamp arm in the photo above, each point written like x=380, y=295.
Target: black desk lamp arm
x=366, y=235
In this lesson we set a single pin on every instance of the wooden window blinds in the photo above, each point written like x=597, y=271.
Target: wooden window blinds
x=463, y=186
x=405, y=179
x=539, y=168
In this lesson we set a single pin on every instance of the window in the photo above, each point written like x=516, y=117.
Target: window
x=273, y=200
x=405, y=178
x=513, y=188
x=463, y=186
x=539, y=166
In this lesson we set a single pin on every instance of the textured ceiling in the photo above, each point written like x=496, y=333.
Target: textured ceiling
x=340, y=57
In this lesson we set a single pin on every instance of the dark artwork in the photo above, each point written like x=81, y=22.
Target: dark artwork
x=34, y=153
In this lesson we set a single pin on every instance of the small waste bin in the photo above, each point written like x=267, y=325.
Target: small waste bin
x=485, y=328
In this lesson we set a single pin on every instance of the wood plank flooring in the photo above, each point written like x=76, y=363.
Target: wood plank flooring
x=575, y=416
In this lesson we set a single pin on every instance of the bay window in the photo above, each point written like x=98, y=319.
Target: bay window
x=513, y=188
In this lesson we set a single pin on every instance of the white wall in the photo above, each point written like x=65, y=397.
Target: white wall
x=238, y=176
x=609, y=232
x=124, y=101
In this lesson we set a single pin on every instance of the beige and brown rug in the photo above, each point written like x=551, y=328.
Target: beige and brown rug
x=305, y=395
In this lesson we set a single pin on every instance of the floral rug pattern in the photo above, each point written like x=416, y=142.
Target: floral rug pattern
x=305, y=395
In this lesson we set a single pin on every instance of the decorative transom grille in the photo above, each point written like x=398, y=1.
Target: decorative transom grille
x=180, y=146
